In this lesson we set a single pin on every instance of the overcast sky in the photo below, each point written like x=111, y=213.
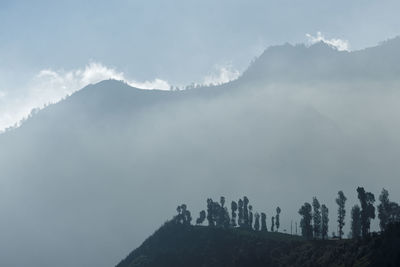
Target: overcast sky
x=54, y=44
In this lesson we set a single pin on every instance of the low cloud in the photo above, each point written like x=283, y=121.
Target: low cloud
x=339, y=44
x=224, y=74
x=50, y=86
x=72, y=81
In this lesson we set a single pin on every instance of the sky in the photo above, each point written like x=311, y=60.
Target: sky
x=47, y=46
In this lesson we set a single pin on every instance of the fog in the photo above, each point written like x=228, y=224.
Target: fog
x=85, y=181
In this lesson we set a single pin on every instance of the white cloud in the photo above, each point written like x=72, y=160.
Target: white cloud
x=155, y=84
x=339, y=44
x=224, y=74
x=71, y=81
x=50, y=86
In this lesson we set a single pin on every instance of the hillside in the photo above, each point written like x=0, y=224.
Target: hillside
x=178, y=245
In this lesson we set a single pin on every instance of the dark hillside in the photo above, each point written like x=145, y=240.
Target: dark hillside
x=179, y=245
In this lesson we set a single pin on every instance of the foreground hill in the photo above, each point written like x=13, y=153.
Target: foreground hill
x=175, y=245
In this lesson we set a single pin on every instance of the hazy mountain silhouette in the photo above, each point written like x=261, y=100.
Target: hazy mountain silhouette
x=320, y=62
x=85, y=180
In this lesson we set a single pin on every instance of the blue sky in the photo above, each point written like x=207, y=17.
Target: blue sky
x=179, y=41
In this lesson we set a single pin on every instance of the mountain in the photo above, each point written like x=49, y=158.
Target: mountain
x=320, y=62
x=199, y=246
x=88, y=178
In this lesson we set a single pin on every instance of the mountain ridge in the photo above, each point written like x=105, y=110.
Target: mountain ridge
x=280, y=63
x=321, y=61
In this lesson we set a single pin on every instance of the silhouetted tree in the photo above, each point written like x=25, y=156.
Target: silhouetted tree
x=324, y=221
x=263, y=222
x=341, y=201
x=367, y=200
x=184, y=216
x=234, y=208
x=183, y=208
x=384, y=209
x=241, y=215
x=317, y=218
x=187, y=217
x=245, y=212
x=222, y=201
x=179, y=217
x=218, y=213
x=394, y=212
x=250, y=217
x=210, y=215
x=388, y=212
x=356, y=221
x=202, y=217
x=277, y=221
x=226, y=220
x=305, y=223
x=272, y=224
x=257, y=221
x=222, y=215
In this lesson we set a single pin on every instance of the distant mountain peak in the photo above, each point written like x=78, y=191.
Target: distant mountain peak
x=323, y=62
x=325, y=45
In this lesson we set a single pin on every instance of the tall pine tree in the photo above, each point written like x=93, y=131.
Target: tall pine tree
x=316, y=218
x=341, y=201
x=272, y=224
x=241, y=215
x=250, y=226
x=257, y=221
x=245, y=212
x=234, y=208
x=367, y=200
x=264, y=222
x=355, y=221
x=277, y=219
x=324, y=221
x=305, y=223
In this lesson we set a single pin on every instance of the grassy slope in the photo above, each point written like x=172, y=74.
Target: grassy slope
x=177, y=245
